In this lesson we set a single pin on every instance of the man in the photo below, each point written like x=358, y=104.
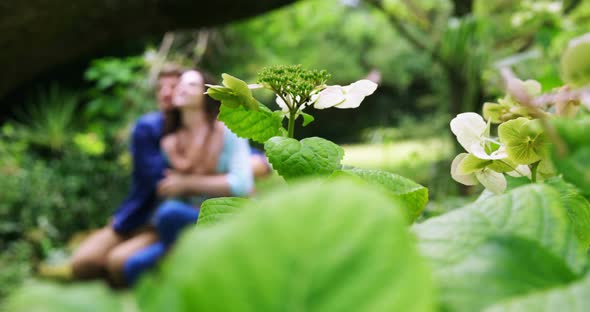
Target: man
x=105, y=251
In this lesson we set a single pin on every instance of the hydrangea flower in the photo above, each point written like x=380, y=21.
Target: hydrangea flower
x=481, y=164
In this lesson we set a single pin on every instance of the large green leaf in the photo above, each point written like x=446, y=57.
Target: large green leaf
x=571, y=298
x=311, y=156
x=412, y=194
x=43, y=296
x=575, y=165
x=259, y=125
x=313, y=247
x=501, y=246
x=217, y=209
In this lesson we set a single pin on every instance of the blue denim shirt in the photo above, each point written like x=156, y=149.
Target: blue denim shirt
x=148, y=170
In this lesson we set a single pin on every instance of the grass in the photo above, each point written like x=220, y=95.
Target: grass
x=414, y=159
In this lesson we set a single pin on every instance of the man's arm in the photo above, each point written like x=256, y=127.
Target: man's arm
x=148, y=169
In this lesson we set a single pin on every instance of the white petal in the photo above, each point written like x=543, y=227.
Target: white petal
x=282, y=104
x=585, y=99
x=478, y=151
x=254, y=86
x=330, y=96
x=468, y=128
x=468, y=179
x=364, y=87
x=492, y=180
x=351, y=101
x=521, y=171
x=356, y=92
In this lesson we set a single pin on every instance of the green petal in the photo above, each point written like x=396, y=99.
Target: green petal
x=465, y=179
x=525, y=140
x=471, y=164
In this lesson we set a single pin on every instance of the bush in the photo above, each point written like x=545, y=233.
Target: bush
x=409, y=128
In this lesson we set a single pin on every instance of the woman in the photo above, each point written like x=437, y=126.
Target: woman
x=205, y=160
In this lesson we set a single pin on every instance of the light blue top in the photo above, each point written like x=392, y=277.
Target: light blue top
x=234, y=160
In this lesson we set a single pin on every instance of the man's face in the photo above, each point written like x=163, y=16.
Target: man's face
x=165, y=91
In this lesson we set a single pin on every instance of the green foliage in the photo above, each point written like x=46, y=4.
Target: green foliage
x=15, y=261
x=315, y=253
x=58, y=197
x=572, y=297
x=259, y=125
x=46, y=122
x=501, y=247
x=575, y=164
x=215, y=210
x=120, y=93
x=39, y=296
x=49, y=192
x=577, y=207
x=413, y=195
x=311, y=156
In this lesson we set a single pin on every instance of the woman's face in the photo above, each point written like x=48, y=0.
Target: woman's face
x=190, y=90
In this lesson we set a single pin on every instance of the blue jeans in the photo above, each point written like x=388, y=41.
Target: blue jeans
x=170, y=218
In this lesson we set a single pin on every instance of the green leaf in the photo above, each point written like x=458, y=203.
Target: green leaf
x=501, y=246
x=307, y=118
x=241, y=90
x=311, y=156
x=525, y=140
x=577, y=206
x=44, y=296
x=572, y=298
x=413, y=195
x=214, y=210
x=224, y=95
x=312, y=247
x=575, y=165
x=259, y=125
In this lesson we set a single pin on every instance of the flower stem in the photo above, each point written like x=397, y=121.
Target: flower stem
x=291, y=129
x=534, y=167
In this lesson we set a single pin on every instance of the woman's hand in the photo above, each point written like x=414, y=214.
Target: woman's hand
x=173, y=184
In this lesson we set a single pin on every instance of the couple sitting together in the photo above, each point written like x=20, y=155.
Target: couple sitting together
x=181, y=155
